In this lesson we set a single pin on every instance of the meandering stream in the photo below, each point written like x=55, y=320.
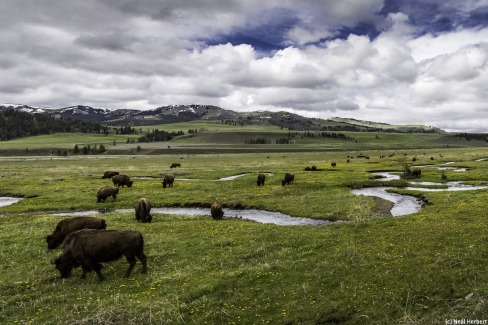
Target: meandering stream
x=402, y=204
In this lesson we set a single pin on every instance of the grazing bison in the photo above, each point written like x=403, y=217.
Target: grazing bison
x=289, y=177
x=417, y=172
x=105, y=191
x=143, y=209
x=122, y=180
x=168, y=180
x=89, y=247
x=69, y=225
x=216, y=211
x=174, y=165
x=333, y=164
x=261, y=179
x=109, y=174
x=314, y=168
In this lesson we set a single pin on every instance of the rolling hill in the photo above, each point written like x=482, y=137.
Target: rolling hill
x=186, y=113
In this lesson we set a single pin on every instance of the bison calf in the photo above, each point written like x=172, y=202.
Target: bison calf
x=168, y=180
x=261, y=179
x=88, y=248
x=69, y=225
x=143, y=209
x=105, y=191
x=289, y=177
x=216, y=211
x=109, y=174
x=122, y=180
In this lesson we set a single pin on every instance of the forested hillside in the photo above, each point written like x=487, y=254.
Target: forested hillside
x=17, y=124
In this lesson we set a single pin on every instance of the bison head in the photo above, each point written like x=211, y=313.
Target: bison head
x=52, y=241
x=64, y=266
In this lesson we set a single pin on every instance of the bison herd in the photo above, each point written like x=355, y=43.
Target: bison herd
x=87, y=243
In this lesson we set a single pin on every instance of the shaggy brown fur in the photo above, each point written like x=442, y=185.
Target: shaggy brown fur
x=216, y=211
x=143, y=209
x=105, y=191
x=289, y=178
x=417, y=172
x=88, y=248
x=168, y=180
x=69, y=225
x=109, y=174
x=122, y=180
x=261, y=179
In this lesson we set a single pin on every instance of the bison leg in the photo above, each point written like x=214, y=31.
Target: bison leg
x=132, y=262
x=85, y=269
x=97, y=268
x=114, y=198
x=143, y=260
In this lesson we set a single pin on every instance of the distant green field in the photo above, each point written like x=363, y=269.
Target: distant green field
x=370, y=268
x=218, y=137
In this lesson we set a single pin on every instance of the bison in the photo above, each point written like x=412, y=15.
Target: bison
x=289, y=177
x=109, y=174
x=417, y=172
x=105, y=191
x=122, y=180
x=216, y=211
x=168, y=180
x=69, y=225
x=333, y=164
x=261, y=179
x=174, y=165
x=89, y=247
x=143, y=209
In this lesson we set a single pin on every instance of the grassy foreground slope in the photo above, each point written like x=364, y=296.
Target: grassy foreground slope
x=417, y=269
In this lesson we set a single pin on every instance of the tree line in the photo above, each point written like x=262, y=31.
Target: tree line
x=17, y=124
x=473, y=136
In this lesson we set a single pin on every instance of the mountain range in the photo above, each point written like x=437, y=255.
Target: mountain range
x=185, y=113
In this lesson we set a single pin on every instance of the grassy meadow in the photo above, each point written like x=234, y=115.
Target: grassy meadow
x=421, y=268
x=213, y=137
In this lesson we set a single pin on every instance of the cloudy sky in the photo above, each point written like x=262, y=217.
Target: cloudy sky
x=393, y=61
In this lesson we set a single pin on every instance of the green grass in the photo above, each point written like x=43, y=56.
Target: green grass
x=417, y=269
x=215, y=137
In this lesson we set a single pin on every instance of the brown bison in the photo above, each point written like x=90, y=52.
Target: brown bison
x=69, y=225
x=122, y=180
x=261, y=179
x=289, y=178
x=89, y=247
x=216, y=211
x=168, y=180
x=109, y=174
x=417, y=172
x=333, y=164
x=174, y=165
x=143, y=209
x=105, y=191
